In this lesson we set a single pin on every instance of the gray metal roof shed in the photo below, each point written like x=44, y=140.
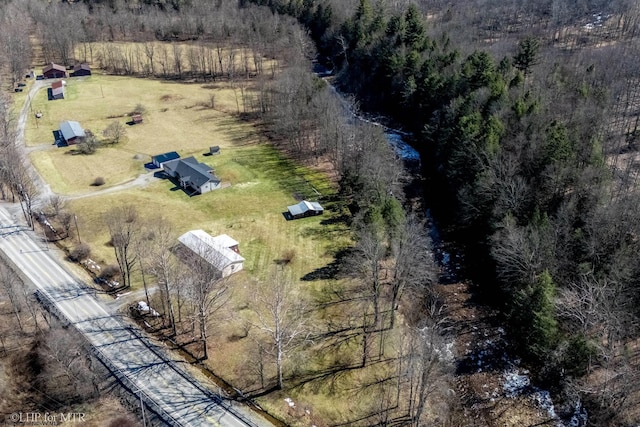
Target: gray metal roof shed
x=305, y=208
x=71, y=130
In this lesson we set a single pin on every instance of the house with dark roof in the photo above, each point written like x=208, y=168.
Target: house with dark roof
x=57, y=90
x=81, y=70
x=159, y=159
x=305, y=209
x=194, y=177
x=71, y=132
x=54, y=71
x=218, y=251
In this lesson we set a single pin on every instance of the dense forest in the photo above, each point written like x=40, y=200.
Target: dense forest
x=526, y=119
x=526, y=116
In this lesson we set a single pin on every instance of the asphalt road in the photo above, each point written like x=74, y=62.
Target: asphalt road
x=137, y=362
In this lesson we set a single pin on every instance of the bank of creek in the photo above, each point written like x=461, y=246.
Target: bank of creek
x=493, y=388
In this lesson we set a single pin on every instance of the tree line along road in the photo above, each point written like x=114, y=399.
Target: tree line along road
x=142, y=367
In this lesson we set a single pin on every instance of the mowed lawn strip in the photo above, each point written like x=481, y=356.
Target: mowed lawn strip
x=250, y=211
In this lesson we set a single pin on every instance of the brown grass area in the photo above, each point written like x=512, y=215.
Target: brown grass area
x=263, y=182
x=176, y=120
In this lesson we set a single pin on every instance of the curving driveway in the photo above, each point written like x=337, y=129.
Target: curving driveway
x=46, y=191
x=142, y=367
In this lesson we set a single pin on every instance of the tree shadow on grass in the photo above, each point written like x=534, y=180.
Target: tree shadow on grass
x=290, y=176
x=333, y=270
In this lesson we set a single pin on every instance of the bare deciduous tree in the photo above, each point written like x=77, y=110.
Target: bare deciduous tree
x=123, y=223
x=20, y=181
x=281, y=317
x=14, y=39
x=11, y=284
x=413, y=264
x=88, y=144
x=430, y=363
x=162, y=263
x=68, y=370
x=206, y=289
x=115, y=132
x=368, y=255
x=55, y=205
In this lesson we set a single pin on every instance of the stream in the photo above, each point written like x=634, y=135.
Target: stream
x=516, y=383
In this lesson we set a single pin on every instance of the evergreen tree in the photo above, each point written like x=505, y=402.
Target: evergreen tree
x=527, y=55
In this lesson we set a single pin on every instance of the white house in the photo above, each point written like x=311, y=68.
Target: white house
x=220, y=251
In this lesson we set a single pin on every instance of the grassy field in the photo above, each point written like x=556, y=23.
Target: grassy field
x=263, y=182
x=250, y=210
x=178, y=118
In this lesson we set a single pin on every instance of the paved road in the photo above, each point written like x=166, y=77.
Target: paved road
x=134, y=359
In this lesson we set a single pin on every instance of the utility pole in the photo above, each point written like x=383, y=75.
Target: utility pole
x=75, y=219
x=144, y=421
x=46, y=241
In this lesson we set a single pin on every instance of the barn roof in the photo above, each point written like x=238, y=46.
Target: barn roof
x=79, y=67
x=165, y=157
x=225, y=240
x=57, y=88
x=304, y=206
x=53, y=66
x=210, y=248
x=71, y=129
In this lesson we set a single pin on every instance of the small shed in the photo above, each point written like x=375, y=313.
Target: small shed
x=214, y=250
x=57, y=90
x=136, y=119
x=54, y=71
x=305, y=209
x=72, y=132
x=159, y=159
x=214, y=150
x=81, y=70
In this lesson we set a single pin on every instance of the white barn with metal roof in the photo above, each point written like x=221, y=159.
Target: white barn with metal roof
x=219, y=251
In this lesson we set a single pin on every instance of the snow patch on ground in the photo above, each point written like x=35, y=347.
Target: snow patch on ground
x=490, y=356
x=517, y=383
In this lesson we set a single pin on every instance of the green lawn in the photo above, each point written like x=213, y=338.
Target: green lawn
x=263, y=182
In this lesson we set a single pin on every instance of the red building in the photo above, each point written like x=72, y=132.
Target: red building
x=54, y=71
x=81, y=70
